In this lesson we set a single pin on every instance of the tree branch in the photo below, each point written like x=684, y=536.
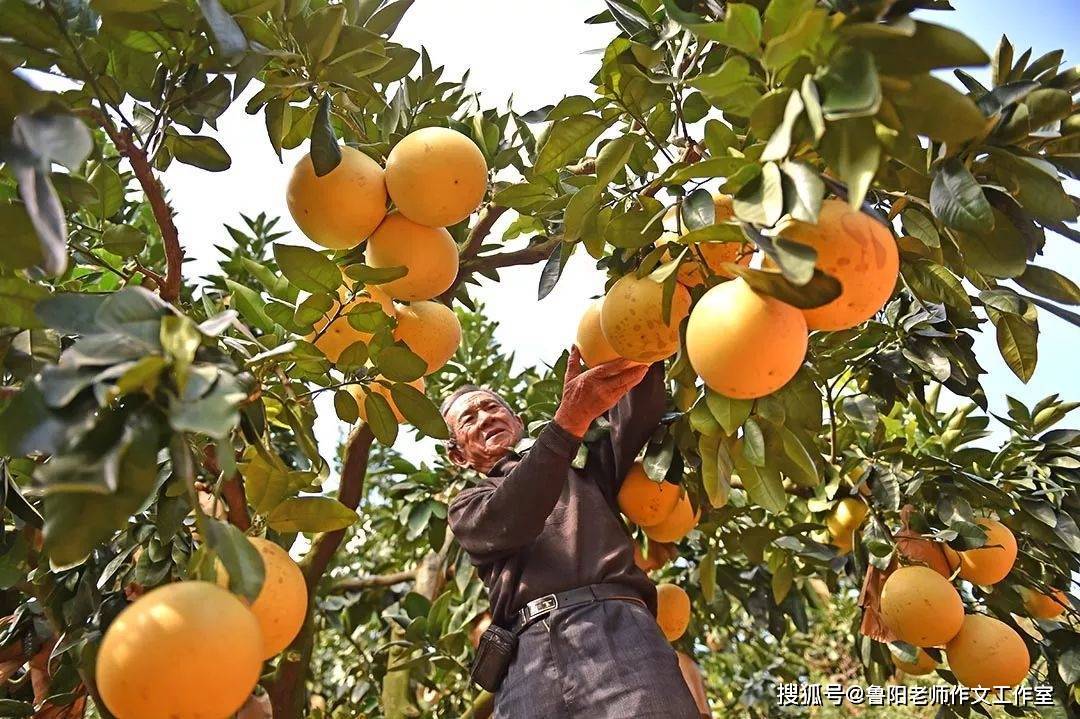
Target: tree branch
x=359, y=584
x=479, y=232
x=526, y=256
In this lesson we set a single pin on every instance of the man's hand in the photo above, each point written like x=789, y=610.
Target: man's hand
x=588, y=393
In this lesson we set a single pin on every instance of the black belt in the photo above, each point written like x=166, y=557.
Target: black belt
x=582, y=595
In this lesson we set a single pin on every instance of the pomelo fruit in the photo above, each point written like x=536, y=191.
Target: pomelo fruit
x=988, y=653
x=431, y=330
x=990, y=563
x=591, y=342
x=341, y=209
x=743, y=344
x=333, y=333
x=436, y=176
x=846, y=517
x=1045, y=606
x=189, y=650
x=672, y=610
x=857, y=250
x=923, y=664
x=632, y=319
x=677, y=524
x=428, y=253
x=644, y=501
x=921, y=607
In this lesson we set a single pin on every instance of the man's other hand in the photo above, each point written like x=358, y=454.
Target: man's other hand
x=588, y=393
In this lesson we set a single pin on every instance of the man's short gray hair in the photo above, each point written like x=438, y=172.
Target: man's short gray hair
x=468, y=389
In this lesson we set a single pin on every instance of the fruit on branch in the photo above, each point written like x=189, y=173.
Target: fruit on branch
x=436, y=176
x=677, y=524
x=921, y=607
x=924, y=664
x=342, y=208
x=189, y=650
x=431, y=330
x=428, y=254
x=917, y=550
x=632, y=318
x=644, y=501
x=743, y=344
x=988, y=653
x=715, y=254
x=858, y=251
x=847, y=516
x=360, y=393
x=1044, y=606
x=672, y=610
x=990, y=563
x=333, y=333
x=659, y=555
x=591, y=342
x=281, y=605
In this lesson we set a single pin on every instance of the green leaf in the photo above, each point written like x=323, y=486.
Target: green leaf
x=311, y=514
x=934, y=108
x=20, y=248
x=1017, y=340
x=762, y=484
x=1050, y=284
x=852, y=150
x=123, y=240
x=613, y=156
x=850, y=86
x=799, y=39
x=931, y=47
x=716, y=466
x=420, y=411
x=308, y=269
x=380, y=417
x=753, y=443
x=957, y=199
x=728, y=78
x=742, y=28
x=761, y=201
x=241, y=559
x=820, y=290
x=325, y=152
x=698, y=210
x=920, y=226
x=523, y=196
x=345, y=406
x=779, y=144
x=1001, y=252
x=17, y=301
x=799, y=465
x=803, y=191
x=398, y=363
x=730, y=413
x=323, y=28
x=567, y=141
x=227, y=33
x=932, y=282
x=204, y=152
x=1035, y=183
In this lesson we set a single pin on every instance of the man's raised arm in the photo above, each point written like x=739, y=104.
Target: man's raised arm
x=635, y=418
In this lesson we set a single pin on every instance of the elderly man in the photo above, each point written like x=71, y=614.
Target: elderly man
x=557, y=561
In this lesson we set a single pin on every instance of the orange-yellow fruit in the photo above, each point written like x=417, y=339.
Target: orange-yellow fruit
x=282, y=603
x=742, y=344
x=436, y=176
x=431, y=330
x=846, y=517
x=189, y=650
x=857, y=250
x=677, y=524
x=335, y=338
x=359, y=393
x=921, y=607
x=672, y=610
x=340, y=209
x=923, y=665
x=632, y=319
x=917, y=550
x=715, y=255
x=591, y=342
x=428, y=253
x=988, y=653
x=644, y=501
x=990, y=563
x=659, y=556
x=1045, y=606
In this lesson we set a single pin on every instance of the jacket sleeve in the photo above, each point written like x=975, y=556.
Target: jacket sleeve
x=633, y=421
x=504, y=514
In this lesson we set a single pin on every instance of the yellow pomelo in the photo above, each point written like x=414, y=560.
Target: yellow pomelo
x=988, y=653
x=341, y=209
x=282, y=602
x=677, y=524
x=857, y=250
x=359, y=393
x=846, y=517
x=644, y=501
x=1045, y=606
x=990, y=563
x=632, y=319
x=591, y=342
x=436, y=176
x=921, y=607
x=923, y=665
x=431, y=330
x=672, y=610
x=428, y=253
x=189, y=650
x=742, y=344
x=333, y=333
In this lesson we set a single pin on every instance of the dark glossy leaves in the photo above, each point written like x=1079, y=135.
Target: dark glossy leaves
x=325, y=152
x=957, y=199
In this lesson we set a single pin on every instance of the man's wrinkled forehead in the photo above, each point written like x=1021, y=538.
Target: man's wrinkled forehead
x=471, y=398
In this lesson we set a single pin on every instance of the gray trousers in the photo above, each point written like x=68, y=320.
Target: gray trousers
x=604, y=660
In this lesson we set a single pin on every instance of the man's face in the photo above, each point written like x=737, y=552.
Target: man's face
x=482, y=430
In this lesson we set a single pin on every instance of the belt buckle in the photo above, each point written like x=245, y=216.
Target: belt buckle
x=543, y=604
